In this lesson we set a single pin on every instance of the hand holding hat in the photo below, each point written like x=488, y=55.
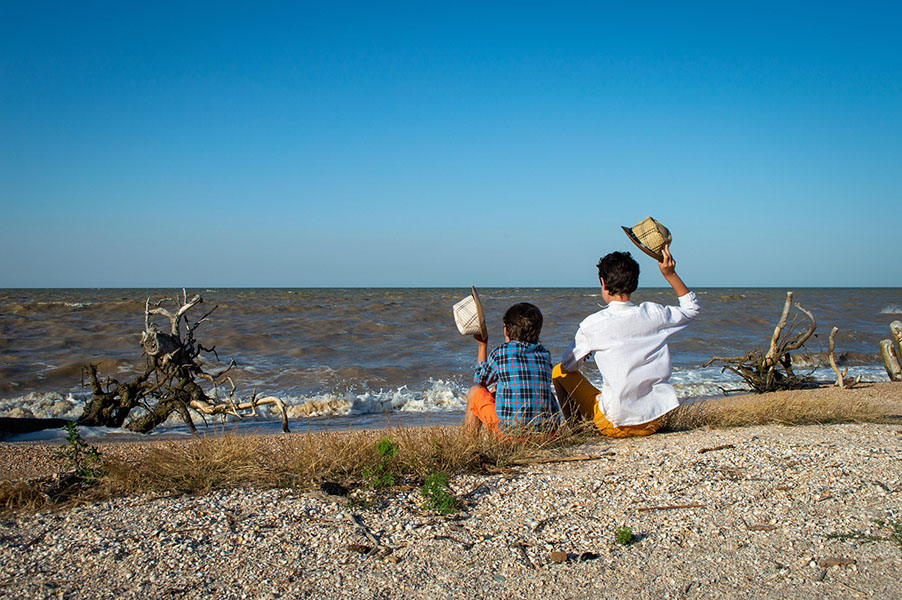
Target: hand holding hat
x=650, y=236
x=469, y=317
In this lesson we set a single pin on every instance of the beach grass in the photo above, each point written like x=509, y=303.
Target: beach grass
x=304, y=461
x=21, y=495
x=300, y=461
x=794, y=407
x=407, y=456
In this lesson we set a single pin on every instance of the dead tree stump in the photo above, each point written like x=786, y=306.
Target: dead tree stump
x=171, y=382
x=772, y=370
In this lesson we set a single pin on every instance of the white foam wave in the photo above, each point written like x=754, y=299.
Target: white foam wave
x=891, y=309
x=66, y=304
x=436, y=397
x=439, y=396
x=42, y=405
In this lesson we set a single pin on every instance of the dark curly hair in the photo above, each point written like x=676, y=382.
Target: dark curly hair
x=620, y=273
x=523, y=322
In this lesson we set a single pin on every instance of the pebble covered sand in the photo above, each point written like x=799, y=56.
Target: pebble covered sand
x=781, y=512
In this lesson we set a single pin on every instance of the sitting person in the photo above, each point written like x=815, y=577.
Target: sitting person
x=630, y=349
x=520, y=370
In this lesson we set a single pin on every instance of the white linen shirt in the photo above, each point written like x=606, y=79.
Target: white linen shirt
x=631, y=352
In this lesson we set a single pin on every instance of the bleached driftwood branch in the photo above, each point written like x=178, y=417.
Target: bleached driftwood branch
x=170, y=382
x=841, y=380
x=762, y=370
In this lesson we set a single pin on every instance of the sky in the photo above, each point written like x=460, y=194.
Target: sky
x=310, y=144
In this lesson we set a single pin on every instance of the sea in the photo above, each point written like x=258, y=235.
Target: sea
x=363, y=358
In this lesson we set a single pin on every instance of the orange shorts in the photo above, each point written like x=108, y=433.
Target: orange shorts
x=483, y=406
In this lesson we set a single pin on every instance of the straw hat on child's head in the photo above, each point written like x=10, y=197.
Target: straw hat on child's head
x=469, y=316
x=650, y=236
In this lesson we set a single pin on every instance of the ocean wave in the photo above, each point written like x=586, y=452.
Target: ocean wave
x=891, y=309
x=438, y=396
x=41, y=306
x=822, y=359
x=42, y=405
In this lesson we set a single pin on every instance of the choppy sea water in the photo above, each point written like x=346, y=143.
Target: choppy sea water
x=364, y=357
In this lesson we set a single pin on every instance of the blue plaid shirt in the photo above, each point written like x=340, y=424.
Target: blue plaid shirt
x=524, y=396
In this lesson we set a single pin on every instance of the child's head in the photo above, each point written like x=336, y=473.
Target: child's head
x=523, y=322
x=619, y=272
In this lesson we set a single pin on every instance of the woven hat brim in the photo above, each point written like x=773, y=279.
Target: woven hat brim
x=629, y=233
x=479, y=314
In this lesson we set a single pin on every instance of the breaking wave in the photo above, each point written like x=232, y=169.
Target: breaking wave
x=440, y=396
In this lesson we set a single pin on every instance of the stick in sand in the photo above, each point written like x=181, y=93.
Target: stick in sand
x=671, y=507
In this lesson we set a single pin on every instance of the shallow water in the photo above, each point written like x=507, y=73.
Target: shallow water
x=347, y=357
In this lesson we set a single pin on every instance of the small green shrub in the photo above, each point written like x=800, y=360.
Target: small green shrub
x=377, y=477
x=380, y=476
x=436, y=494
x=623, y=535
x=387, y=447
x=81, y=457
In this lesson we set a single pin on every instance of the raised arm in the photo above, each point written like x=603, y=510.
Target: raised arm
x=668, y=270
x=482, y=347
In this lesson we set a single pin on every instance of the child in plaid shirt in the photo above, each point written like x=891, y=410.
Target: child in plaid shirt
x=520, y=371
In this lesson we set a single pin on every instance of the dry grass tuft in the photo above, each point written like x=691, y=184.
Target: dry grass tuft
x=195, y=466
x=21, y=495
x=787, y=408
x=305, y=460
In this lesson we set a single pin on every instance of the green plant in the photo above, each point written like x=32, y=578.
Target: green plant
x=436, y=494
x=894, y=527
x=623, y=535
x=855, y=536
x=380, y=476
x=387, y=447
x=81, y=457
x=895, y=532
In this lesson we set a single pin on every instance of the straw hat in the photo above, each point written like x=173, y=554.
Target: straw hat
x=650, y=236
x=469, y=316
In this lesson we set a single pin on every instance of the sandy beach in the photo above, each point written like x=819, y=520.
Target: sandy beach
x=754, y=512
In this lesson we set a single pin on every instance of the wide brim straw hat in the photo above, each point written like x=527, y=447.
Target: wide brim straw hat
x=469, y=317
x=650, y=237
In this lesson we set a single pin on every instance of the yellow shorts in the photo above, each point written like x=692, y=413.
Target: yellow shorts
x=584, y=396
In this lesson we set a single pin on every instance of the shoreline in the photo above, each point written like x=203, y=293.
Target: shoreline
x=32, y=459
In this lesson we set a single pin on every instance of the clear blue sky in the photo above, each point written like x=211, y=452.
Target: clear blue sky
x=388, y=144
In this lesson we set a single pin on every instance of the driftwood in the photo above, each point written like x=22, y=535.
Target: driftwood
x=896, y=329
x=171, y=381
x=715, y=448
x=895, y=345
x=890, y=360
x=841, y=379
x=560, y=459
x=772, y=370
x=671, y=507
